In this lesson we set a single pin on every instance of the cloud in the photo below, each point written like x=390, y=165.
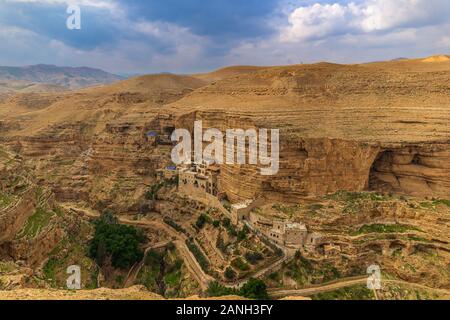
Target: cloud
x=106, y=4
x=185, y=36
x=48, y=19
x=221, y=20
x=319, y=20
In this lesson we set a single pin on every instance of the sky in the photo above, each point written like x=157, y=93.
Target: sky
x=187, y=36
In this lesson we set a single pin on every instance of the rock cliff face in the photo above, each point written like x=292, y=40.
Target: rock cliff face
x=421, y=170
x=380, y=126
x=13, y=218
x=29, y=230
x=308, y=166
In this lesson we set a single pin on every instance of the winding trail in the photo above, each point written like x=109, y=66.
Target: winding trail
x=343, y=283
x=134, y=271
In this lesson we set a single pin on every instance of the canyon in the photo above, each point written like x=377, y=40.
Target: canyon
x=360, y=146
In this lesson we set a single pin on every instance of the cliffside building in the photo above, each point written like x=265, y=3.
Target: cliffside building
x=200, y=176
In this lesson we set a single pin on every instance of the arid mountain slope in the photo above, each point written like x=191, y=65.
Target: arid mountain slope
x=73, y=78
x=227, y=73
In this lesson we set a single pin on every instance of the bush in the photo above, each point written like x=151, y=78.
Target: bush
x=240, y=265
x=119, y=243
x=153, y=259
x=230, y=274
x=243, y=233
x=253, y=257
x=226, y=222
x=174, y=225
x=216, y=223
x=151, y=194
x=229, y=227
x=198, y=255
x=201, y=220
x=220, y=244
x=385, y=228
x=171, y=246
x=254, y=289
x=215, y=289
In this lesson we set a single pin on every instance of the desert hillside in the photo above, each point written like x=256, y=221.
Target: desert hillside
x=53, y=77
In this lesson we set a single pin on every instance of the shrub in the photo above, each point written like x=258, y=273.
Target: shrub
x=198, y=254
x=254, y=289
x=385, y=228
x=215, y=289
x=240, y=265
x=229, y=227
x=201, y=220
x=253, y=257
x=230, y=274
x=171, y=246
x=243, y=233
x=220, y=244
x=226, y=222
x=216, y=223
x=153, y=259
x=174, y=225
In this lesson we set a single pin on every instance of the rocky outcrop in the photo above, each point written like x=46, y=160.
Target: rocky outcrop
x=13, y=218
x=308, y=168
x=420, y=170
x=35, y=251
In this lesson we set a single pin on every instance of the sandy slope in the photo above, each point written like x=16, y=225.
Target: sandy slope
x=132, y=293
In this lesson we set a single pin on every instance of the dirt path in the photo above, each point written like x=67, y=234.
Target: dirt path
x=343, y=283
x=134, y=271
x=281, y=293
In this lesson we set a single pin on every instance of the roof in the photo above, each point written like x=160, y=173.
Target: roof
x=242, y=205
x=298, y=226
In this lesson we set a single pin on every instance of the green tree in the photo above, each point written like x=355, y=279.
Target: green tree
x=243, y=233
x=118, y=242
x=201, y=220
x=254, y=289
x=215, y=289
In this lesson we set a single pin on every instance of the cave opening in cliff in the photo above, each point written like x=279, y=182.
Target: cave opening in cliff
x=381, y=177
x=165, y=138
x=169, y=130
